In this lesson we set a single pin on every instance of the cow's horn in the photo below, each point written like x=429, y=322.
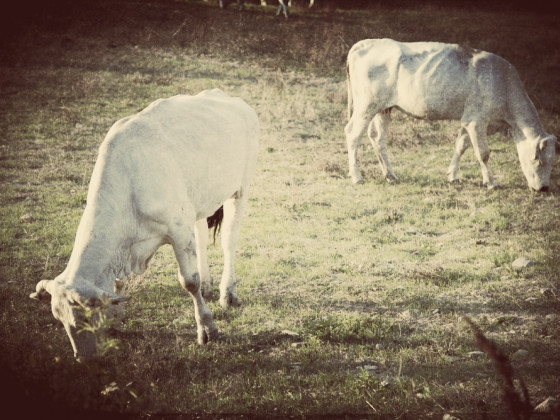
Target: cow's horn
x=41, y=293
x=119, y=299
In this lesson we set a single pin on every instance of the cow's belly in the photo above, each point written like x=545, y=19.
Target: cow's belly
x=436, y=104
x=437, y=90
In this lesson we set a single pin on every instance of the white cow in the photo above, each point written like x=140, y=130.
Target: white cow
x=159, y=175
x=438, y=81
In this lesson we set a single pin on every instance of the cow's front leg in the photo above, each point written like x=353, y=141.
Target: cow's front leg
x=201, y=236
x=461, y=144
x=185, y=252
x=231, y=225
x=377, y=133
x=477, y=133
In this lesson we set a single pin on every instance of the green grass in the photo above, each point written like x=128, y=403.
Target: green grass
x=376, y=275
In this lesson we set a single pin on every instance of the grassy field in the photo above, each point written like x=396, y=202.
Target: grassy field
x=353, y=296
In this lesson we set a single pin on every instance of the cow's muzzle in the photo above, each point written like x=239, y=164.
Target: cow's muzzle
x=544, y=188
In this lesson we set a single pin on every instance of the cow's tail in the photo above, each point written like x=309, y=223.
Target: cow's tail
x=215, y=221
x=349, y=86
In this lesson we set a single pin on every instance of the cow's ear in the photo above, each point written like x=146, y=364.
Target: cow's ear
x=543, y=144
x=41, y=291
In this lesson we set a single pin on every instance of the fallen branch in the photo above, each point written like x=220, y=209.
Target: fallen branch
x=519, y=406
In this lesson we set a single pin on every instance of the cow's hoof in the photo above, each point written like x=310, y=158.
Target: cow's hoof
x=207, y=335
x=356, y=176
x=452, y=177
x=357, y=181
x=206, y=290
x=229, y=300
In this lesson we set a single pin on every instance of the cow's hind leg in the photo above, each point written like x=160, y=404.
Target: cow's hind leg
x=461, y=144
x=201, y=236
x=183, y=241
x=377, y=133
x=355, y=130
x=231, y=225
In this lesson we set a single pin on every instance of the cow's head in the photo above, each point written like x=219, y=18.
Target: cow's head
x=81, y=311
x=537, y=157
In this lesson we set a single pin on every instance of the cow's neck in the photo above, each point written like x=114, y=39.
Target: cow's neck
x=99, y=253
x=523, y=116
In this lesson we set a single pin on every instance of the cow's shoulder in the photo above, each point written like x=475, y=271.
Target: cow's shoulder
x=217, y=97
x=484, y=59
x=151, y=120
x=216, y=93
x=492, y=67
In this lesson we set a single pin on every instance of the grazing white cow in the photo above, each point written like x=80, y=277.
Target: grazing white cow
x=159, y=175
x=436, y=81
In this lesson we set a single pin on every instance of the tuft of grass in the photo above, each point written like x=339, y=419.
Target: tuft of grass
x=348, y=328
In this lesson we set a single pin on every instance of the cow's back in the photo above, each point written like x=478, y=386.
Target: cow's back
x=372, y=53
x=200, y=149
x=426, y=79
x=182, y=125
